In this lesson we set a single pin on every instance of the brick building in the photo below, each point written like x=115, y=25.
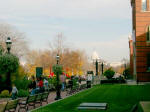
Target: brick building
x=140, y=56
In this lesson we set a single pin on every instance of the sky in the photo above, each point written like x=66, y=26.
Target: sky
x=90, y=25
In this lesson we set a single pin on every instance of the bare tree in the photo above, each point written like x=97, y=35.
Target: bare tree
x=19, y=44
x=58, y=45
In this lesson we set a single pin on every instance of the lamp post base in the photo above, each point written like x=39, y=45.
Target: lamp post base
x=58, y=98
x=58, y=93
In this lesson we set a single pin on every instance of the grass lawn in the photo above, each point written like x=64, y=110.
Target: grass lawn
x=120, y=98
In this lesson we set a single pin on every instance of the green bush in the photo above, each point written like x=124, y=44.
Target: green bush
x=23, y=93
x=5, y=94
x=127, y=74
x=75, y=80
x=22, y=83
x=109, y=73
x=52, y=81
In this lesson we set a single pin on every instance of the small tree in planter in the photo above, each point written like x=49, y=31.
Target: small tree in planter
x=8, y=65
x=109, y=73
x=57, y=69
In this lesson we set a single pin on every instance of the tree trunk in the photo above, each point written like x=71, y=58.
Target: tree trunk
x=8, y=81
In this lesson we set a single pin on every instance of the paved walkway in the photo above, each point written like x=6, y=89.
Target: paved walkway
x=51, y=99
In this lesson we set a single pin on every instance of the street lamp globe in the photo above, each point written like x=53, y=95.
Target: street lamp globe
x=57, y=58
x=8, y=44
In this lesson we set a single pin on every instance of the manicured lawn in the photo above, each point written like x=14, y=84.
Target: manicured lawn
x=120, y=98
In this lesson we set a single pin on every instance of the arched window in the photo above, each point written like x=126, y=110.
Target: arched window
x=144, y=5
x=148, y=34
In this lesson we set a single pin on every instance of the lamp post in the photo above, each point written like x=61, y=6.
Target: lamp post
x=102, y=68
x=57, y=59
x=96, y=64
x=95, y=59
x=8, y=44
x=58, y=96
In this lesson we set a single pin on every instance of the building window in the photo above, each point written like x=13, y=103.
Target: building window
x=144, y=5
x=148, y=62
x=148, y=34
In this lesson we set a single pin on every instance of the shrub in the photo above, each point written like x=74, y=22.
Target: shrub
x=109, y=73
x=23, y=93
x=52, y=80
x=22, y=83
x=5, y=94
x=127, y=74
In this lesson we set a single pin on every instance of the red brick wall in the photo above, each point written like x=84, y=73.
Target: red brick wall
x=131, y=56
x=141, y=22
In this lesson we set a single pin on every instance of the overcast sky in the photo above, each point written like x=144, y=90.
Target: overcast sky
x=100, y=25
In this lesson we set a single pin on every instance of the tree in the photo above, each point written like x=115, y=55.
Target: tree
x=58, y=44
x=8, y=65
x=72, y=61
x=19, y=47
x=127, y=74
x=1, y=50
x=109, y=73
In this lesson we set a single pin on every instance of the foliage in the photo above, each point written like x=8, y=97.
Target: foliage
x=8, y=63
x=5, y=94
x=127, y=74
x=75, y=81
x=22, y=83
x=19, y=74
x=73, y=61
x=57, y=69
x=23, y=93
x=120, y=98
x=52, y=81
x=109, y=73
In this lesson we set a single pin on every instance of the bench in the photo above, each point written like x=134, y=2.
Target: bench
x=32, y=100
x=38, y=98
x=44, y=97
x=83, y=86
x=25, y=103
x=11, y=106
x=76, y=88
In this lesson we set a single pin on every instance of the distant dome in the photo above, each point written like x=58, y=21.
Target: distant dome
x=95, y=56
x=130, y=37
